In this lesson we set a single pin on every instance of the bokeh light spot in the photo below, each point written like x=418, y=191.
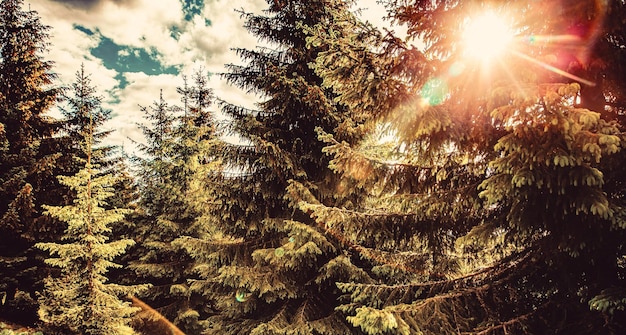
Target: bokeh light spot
x=279, y=252
x=456, y=69
x=241, y=296
x=434, y=91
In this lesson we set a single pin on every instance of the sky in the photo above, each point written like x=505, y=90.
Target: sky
x=134, y=48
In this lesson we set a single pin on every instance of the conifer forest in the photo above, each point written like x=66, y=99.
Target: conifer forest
x=430, y=182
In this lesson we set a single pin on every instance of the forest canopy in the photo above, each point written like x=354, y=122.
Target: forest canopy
x=464, y=176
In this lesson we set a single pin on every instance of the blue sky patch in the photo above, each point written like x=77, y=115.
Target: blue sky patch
x=87, y=31
x=123, y=58
x=175, y=32
x=192, y=8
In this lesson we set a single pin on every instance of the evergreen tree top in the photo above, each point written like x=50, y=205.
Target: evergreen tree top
x=84, y=106
x=25, y=77
x=80, y=300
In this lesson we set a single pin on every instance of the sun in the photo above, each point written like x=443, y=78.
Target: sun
x=487, y=36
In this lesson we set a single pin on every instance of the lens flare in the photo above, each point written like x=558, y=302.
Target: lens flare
x=456, y=69
x=487, y=36
x=434, y=91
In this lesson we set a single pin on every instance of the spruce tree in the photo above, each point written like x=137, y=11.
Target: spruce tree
x=82, y=108
x=175, y=188
x=29, y=154
x=268, y=267
x=79, y=300
x=154, y=260
x=502, y=194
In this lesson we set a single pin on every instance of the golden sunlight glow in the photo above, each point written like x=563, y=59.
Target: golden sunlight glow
x=487, y=36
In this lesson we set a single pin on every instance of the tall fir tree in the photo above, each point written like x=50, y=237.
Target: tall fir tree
x=79, y=300
x=504, y=177
x=181, y=160
x=268, y=267
x=28, y=157
x=82, y=108
x=154, y=260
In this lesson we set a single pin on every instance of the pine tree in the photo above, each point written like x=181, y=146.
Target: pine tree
x=268, y=267
x=502, y=195
x=29, y=154
x=154, y=260
x=80, y=301
x=198, y=148
x=82, y=108
x=199, y=166
x=181, y=160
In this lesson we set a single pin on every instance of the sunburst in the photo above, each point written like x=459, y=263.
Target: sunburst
x=487, y=36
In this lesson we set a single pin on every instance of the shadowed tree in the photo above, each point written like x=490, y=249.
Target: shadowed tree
x=175, y=187
x=267, y=267
x=29, y=157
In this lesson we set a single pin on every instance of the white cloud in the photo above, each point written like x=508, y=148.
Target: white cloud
x=69, y=50
x=147, y=24
x=142, y=90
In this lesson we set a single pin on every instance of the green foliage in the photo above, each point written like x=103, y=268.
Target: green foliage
x=496, y=200
x=175, y=182
x=12, y=332
x=374, y=321
x=29, y=157
x=78, y=300
x=534, y=166
x=83, y=108
x=379, y=187
x=268, y=267
x=6, y=329
x=609, y=300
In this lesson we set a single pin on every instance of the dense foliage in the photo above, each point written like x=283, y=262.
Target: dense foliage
x=503, y=192
x=268, y=268
x=380, y=185
x=29, y=154
x=79, y=300
x=175, y=180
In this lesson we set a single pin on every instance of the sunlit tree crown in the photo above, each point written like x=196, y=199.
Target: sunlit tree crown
x=496, y=171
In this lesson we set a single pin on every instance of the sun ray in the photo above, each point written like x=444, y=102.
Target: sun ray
x=553, y=68
x=488, y=36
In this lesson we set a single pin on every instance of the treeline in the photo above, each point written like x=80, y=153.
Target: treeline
x=377, y=188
